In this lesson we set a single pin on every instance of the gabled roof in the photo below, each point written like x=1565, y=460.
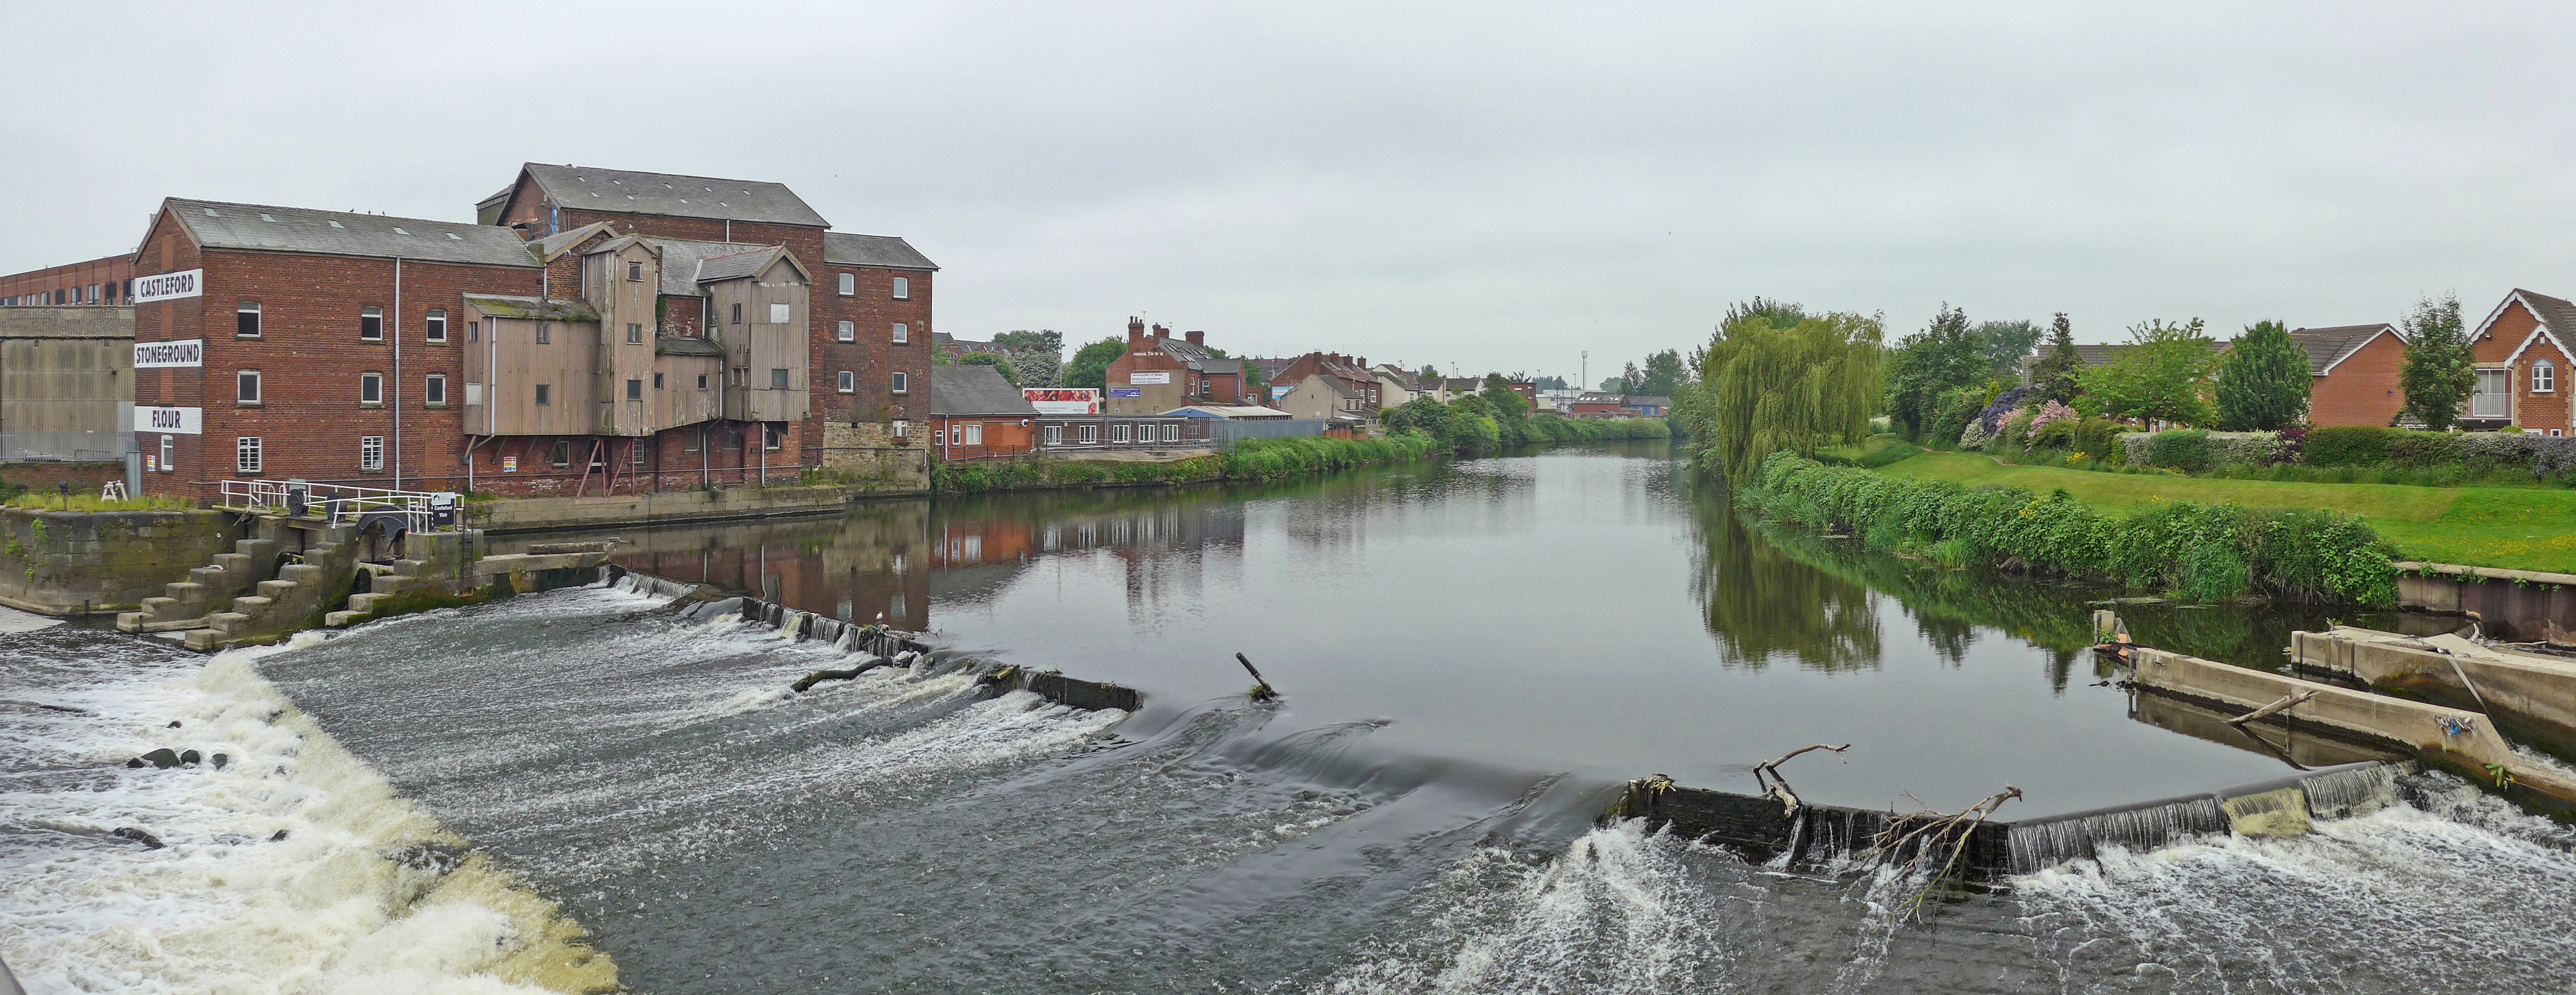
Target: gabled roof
x=976, y=390
x=557, y=244
x=2556, y=317
x=1217, y=366
x=2329, y=346
x=746, y=265
x=1388, y=371
x=681, y=259
x=1252, y=411
x=1645, y=401
x=682, y=345
x=671, y=194
x=532, y=308
x=878, y=251
x=216, y=224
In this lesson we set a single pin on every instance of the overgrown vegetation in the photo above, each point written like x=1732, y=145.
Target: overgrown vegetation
x=1774, y=379
x=2199, y=551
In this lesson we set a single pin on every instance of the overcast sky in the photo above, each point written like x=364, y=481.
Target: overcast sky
x=1478, y=185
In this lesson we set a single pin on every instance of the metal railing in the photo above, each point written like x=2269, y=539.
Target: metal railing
x=339, y=504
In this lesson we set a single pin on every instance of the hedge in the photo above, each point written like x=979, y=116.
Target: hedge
x=2194, y=450
x=2205, y=552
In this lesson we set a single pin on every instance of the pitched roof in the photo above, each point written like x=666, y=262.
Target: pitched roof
x=1645, y=401
x=975, y=390
x=219, y=224
x=536, y=308
x=682, y=259
x=2328, y=346
x=2557, y=318
x=745, y=264
x=880, y=251
x=682, y=345
x=672, y=194
x=1390, y=371
x=1218, y=366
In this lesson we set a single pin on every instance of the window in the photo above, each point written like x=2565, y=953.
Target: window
x=849, y=382
x=974, y=433
x=901, y=429
x=635, y=453
x=434, y=327
x=1172, y=432
x=371, y=452
x=902, y=288
x=779, y=314
x=1090, y=433
x=563, y=453
x=849, y=284
x=902, y=382
x=433, y=391
x=634, y=390
x=371, y=324
x=955, y=434
x=902, y=334
x=545, y=394
x=473, y=331
x=246, y=389
x=169, y=454
x=1118, y=432
x=634, y=333
x=545, y=333
x=1055, y=435
x=737, y=312
x=2494, y=397
x=772, y=439
x=702, y=381
x=246, y=320
x=371, y=388
x=777, y=378
x=657, y=381
x=93, y=293
x=2544, y=377
x=246, y=454
x=849, y=331
x=634, y=271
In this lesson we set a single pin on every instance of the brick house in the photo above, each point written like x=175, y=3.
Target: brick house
x=1353, y=376
x=1328, y=399
x=1160, y=373
x=2352, y=373
x=2522, y=365
x=108, y=281
x=975, y=414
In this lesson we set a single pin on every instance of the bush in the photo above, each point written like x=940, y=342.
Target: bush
x=2016, y=429
x=2059, y=434
x=2347, y=445
x=1951, y=415
x=2100, y=439
x=2201, y=551
x=2185, y=449
x=2423, y=449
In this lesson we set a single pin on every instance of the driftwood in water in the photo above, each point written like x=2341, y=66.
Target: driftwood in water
x=1260, y=686
x=2266, y=711
x=1777, y=788
x=819, y=676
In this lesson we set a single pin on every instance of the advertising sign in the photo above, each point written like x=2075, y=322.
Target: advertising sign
x=1125, y=392
x=1063, y=400
x=177, y=352
x=1279, y=392
x=1160, y=376
x=509, y=464
x=176, y=421
x=169, y=286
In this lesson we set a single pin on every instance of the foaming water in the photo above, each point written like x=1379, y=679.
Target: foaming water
x=292, y=868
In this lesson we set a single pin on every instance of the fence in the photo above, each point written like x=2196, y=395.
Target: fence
x=79, y=447
x=1229, y=432
x=339, y=505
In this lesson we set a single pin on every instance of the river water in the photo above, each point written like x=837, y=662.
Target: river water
x=1474, y=657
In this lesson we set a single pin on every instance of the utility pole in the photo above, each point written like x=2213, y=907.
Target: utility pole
x=1583, y=380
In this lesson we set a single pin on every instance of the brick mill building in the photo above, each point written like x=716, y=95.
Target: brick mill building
x=108, y=281
x=604, y=329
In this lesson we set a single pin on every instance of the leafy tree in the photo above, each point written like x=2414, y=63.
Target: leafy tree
x=1550, y=383
x=998, y=362
x=2440, y=370
x=1427, y=370
x=1945, y=355
x=2263, y=383
x=1615, y=385
x=2007, y=344
x=1766, y=387
x=1663, y=375
x=2054, y=373
x=1043, y=340
x=2163, y=374
x=1090, y=364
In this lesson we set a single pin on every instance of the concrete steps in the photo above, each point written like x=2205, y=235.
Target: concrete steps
x=281, y=606
x=187, y=604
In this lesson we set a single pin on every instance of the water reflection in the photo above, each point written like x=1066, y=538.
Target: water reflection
x=1761, y=602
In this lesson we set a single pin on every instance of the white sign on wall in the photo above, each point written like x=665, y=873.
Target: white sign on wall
x=1063, y=400
x=175, y=421
x=169, y=286
x=177, y=352
x=1146, y=378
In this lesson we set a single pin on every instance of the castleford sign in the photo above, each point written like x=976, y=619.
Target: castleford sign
x=168, y=286
x=170, y=421
x=177, y=352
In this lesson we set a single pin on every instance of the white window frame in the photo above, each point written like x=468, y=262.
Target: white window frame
x=366, y=313
x=250, y=378
x=250, y=308
x=371, y=452
x=2501, y=405
x=2544, y=377
x=902, y=333
x=433, y=390
x=1119, y=432
x=169, y=454
x=849, y=284
x=902, y=428
x=246, y=454
x=371, y=381
x=903, y=288
x=1172, y=431
x=849, y=332
x=434, y=326
x=849, y=382
x=901, y=382
x=974, y=433
x=1055, y=435
x=1090, y=435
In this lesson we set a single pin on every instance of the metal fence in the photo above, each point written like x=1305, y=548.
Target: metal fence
x=84, y=447
x=1229, y=431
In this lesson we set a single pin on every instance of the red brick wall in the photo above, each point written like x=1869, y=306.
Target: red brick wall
x=2361, y=390
x=673, y=460
x=1002, y=437
x=109, y=275
x=2536, y=411
x=85, y=478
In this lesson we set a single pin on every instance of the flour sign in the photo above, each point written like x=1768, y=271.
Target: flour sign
x=169, y=286
x=177, y=352
x=171, y=421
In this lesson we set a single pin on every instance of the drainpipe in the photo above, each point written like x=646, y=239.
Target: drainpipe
x=396, y=332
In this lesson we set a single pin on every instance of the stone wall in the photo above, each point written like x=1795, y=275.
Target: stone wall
x=70, y=563
x=867, y=458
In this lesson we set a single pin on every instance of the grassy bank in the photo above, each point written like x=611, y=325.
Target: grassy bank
x=1251, y=459
x=2201, y=551
x=2518, y=528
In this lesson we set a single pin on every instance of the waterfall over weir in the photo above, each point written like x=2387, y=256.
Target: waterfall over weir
x=2266, y=809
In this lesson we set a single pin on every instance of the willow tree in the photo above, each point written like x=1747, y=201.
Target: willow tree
x=1774, y=378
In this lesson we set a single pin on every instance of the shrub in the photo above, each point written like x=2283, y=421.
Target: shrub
x=1950, y=417
x=2015, y=430
x=2101, y=438
x=2185, y=449
x=2059, y=434
x=2423, y=449
x=2294, y=444
x=2347, y=445
x=2250, y=448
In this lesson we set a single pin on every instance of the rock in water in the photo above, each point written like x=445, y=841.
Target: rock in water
x=174, y=723
x=191, y=757
x=149, y=841
x=220, y=760
x=164, y=758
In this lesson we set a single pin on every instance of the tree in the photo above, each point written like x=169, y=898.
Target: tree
x=2263, y=383
x=1000, y=364
x=2440, y=370
x=1764, y=387
x=2163, y=374
x=2054, y=373
x=1550, y=383
x=1090, y=364
x=1945, y=355
x=1427, y=370
x=1663, y=375
x=1615, y=385
x=2007, y=344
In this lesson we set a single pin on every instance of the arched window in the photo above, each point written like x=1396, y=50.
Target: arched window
x=2544, y=377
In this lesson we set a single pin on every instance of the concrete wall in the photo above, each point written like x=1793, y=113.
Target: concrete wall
x=66, y=382
x=530, y=514
x=2517, y=605
x=64, y=563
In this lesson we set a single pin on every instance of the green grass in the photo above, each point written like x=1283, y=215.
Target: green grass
x=2515, y=528
x=1870, y=453
x=34, y=501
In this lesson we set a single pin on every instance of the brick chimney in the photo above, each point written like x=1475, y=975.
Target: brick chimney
x=1135, y=333
x=1363, y=363
x=1161, y=332
x=1197, y=338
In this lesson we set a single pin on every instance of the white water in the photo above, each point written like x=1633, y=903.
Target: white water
x=224, y=908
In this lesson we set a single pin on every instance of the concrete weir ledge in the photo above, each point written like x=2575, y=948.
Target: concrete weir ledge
x=707, y=601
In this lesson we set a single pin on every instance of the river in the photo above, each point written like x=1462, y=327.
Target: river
x=1474, y=656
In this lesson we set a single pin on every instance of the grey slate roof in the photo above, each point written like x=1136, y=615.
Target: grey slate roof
x=682, y=257
x=2559, y=315
x=976, y=390
x=2326, y=345
x=881, y=251
x=1645, y=401
x=673, y=195
x=222, y=225
x=682, y=345
x=1218, y=366
x=2096, y=355
x=737, y=265
x=540, y=309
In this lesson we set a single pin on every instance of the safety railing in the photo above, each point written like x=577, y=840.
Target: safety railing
x=339, y=504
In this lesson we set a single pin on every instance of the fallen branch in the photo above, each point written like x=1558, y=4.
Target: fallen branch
x=2287, y=701
x=819, y=676
x=1777, y=788
x=1923, y=830
x=1260, y=686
